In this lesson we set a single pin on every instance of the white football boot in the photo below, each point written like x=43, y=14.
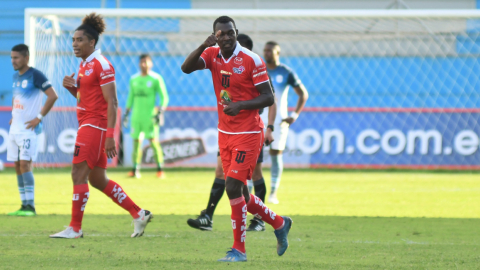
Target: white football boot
x=141, y=222
x=68, y=233
x=273, y=199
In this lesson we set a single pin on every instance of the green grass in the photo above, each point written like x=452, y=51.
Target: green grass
x=342, y=220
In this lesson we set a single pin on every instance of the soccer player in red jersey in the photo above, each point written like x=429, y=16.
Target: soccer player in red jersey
x=96, y=95
x=242, y=88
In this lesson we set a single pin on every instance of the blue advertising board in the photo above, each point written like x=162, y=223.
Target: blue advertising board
x=321, y=137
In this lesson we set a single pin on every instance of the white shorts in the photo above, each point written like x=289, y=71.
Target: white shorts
x=279, y=136
x=22, y=147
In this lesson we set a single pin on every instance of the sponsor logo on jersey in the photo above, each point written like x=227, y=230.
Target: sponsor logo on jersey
x=17, y=105
x=90, y=64
x=108, y=76
x=24, y=83
x=88, y=72
x=13, y=84
x=149, y=84
x=18, y=84
x=238, y=60
x=259, y=74
x=225, y=95
x=239, y=70
x=225, y=72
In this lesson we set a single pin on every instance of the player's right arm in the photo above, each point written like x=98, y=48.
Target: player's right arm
x=129, y=104
x=194, y=62
x=69, y=84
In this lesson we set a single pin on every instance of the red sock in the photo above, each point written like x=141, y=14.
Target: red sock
x=239, y=223
x=256, y=207
x=118, y=195
x=79, y=201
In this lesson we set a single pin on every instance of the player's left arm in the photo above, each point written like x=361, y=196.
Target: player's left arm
x=302, y=97
x=265, y=99
x=164, y=99
x=41, y=82
x=109, y=91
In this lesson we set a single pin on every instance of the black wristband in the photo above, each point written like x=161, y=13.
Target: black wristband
x=270, y=127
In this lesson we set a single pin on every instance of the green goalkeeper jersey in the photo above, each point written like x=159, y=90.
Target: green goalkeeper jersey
x=142, y=95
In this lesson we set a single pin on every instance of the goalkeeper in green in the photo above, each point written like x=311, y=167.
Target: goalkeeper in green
x=146, y=119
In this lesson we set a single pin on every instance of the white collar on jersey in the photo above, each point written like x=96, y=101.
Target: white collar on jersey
x=237, y=50
x=92, y=56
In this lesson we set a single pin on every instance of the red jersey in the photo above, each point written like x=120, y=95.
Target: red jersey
x=235, y=79
x=94, y=72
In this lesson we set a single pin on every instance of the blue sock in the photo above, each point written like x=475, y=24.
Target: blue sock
x=29, y=183
x=276, y=170
x=21, y=189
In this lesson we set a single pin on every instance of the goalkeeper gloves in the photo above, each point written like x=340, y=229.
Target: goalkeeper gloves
x=125, y=120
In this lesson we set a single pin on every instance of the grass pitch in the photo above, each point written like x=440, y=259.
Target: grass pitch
x=342, y=220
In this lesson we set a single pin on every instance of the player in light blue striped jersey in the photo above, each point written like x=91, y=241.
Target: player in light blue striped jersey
x=26, y=123
x=282, y=78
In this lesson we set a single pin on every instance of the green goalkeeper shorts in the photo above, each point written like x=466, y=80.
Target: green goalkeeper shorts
x=147, y=127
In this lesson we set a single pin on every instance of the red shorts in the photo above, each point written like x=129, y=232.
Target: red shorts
x=239, y=154
x=90, y=147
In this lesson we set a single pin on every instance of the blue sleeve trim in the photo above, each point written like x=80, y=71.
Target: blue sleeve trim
x=40, y=81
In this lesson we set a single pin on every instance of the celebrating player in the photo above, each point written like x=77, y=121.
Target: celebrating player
x=96, y=95
x=242, y=88
x=144, y=87
x=282, y=78
x=205, y=220
x=25, y=125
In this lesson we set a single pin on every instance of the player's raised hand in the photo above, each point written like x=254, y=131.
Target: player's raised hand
x=110, y=148
x=69, y=81
x=212, y=39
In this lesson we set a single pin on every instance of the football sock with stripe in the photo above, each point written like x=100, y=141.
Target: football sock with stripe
x=260, y=189
x=21, y=189
x=137, y=155
x=216, y=193
x=256, y=207
x=79, y=201
x=158, y=153
x=276, y=170
x=29, y=184
x=120, y=197
x=239, y=223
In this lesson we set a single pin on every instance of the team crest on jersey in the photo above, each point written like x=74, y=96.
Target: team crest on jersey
x=279, y=78
x=24, y=83
x=88, y=72
x=239, y=70
x=238, y=60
